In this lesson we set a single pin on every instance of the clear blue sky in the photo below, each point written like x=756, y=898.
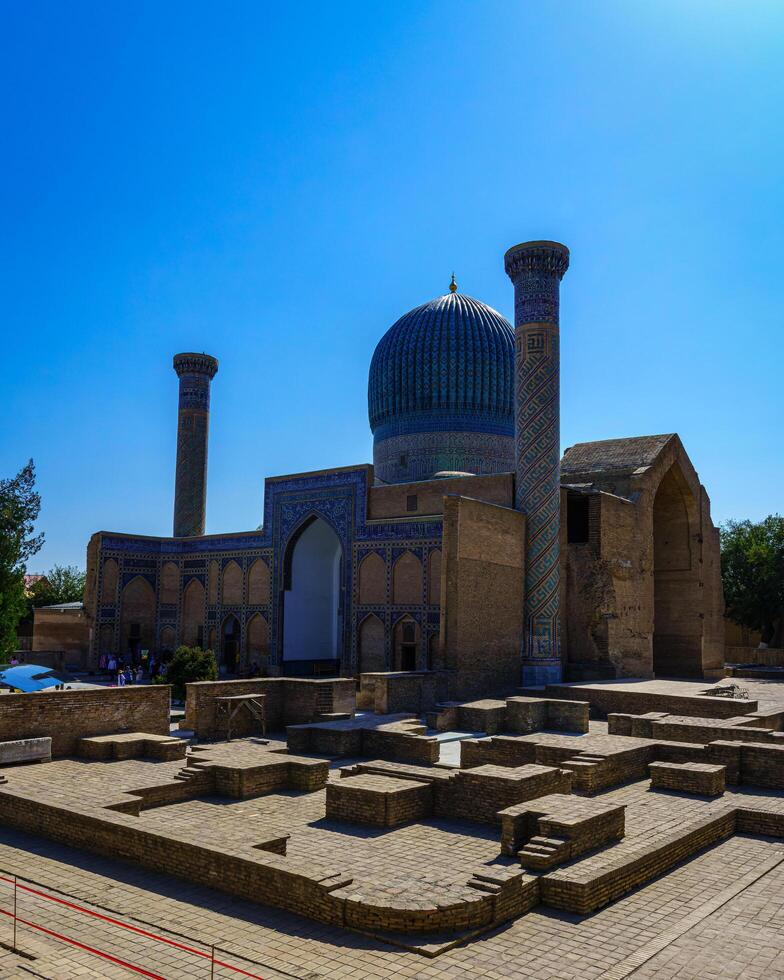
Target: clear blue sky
x=276, y=183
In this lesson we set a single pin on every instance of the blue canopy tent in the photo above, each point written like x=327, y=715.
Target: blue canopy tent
x=33, y=677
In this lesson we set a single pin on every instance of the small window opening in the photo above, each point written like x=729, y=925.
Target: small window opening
x=577, y=519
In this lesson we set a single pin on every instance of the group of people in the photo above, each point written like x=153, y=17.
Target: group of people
x=131, y=673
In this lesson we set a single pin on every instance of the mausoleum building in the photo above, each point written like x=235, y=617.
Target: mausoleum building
x=467, y=548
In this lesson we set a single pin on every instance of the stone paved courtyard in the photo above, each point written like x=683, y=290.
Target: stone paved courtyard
x=717, y=914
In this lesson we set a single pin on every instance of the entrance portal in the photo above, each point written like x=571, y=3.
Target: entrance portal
x=311, y=600
x=677, y=598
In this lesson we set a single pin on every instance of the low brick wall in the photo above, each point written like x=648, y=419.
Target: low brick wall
x=688, y=777
x=568, y=889
x=478, y=795
x=749, y=763
x=288, y=701
x=380, y=801
x=391, y=743
x=482, y=716
x=262, y=873
x=133, y=745
x=606, y=699
x=66, y=716
x=392, y=692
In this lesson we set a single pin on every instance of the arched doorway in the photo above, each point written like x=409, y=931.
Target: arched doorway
x=406, y=644
x=311, y=600
x=230, y=645
x=677, y=599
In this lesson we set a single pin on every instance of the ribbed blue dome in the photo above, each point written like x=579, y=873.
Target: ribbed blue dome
x=447, y=364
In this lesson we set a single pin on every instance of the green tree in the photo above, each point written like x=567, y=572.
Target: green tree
x=752, y=569
x=190, y=664
x=63, y=583
x=19, y=509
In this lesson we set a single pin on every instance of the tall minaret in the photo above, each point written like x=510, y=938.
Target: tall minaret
x=536, y=270
x=195, y=372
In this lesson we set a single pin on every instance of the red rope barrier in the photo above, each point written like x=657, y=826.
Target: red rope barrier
x=122, y=925
x=89, y=949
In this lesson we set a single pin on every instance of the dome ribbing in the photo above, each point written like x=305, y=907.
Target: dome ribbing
x=453, y=354
x=445, y=367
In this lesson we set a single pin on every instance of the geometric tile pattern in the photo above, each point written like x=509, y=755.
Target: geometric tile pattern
x=536, y=269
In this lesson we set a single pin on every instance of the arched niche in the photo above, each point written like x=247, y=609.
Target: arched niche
x=137, y=618
x=257, y=643
x=372, y=580
x=371, y=652
x=193, y=614
x=231, y=594
x=406, y=639
x=170, y=583
x=168, y=638
x=407, y=580
x=258, y=583
x=231, y=645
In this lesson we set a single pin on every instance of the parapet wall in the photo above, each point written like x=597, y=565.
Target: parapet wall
x=66, y=716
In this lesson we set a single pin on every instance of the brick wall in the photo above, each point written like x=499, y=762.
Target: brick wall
x=609, y=698
x=67, y=716
x=289, y=701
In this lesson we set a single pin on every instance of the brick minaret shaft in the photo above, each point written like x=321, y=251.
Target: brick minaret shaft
x=195, y=372
x=536, y=270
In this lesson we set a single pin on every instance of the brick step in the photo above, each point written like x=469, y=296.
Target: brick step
x=483, y=886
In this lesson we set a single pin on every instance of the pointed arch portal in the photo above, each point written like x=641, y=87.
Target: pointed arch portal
x=311, y=598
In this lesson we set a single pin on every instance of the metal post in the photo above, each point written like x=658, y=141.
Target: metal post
x=14, y=913
x=212, y=964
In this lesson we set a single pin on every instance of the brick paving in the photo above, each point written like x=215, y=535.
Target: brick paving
x=720, y=914
x=543, y=945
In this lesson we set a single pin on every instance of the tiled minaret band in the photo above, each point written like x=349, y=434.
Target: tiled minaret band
x=536, y=269
x=195, y=372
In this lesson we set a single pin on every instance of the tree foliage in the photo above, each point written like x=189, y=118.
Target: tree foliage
x=19, y=509
x=190, y=664
x=752, y=568
x=63, y=583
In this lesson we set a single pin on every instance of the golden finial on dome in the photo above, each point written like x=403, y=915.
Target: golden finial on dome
x=453, y=284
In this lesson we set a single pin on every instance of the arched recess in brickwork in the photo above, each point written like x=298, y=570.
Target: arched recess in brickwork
x=168, y=638
x=212, y=582
x=677, y=598
x=312, y=614
x=372, y=580
x=106, y=639
x=232, y=585
x=258, y=583
x=407, y=580
x=371, y=648
x=231, y=648
x=170, y=583
x=406, y=644
x=211, y=638
x=137, y=617
x=257, y=643
x=434, y=577
x=193, y=614
x=109, y=582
